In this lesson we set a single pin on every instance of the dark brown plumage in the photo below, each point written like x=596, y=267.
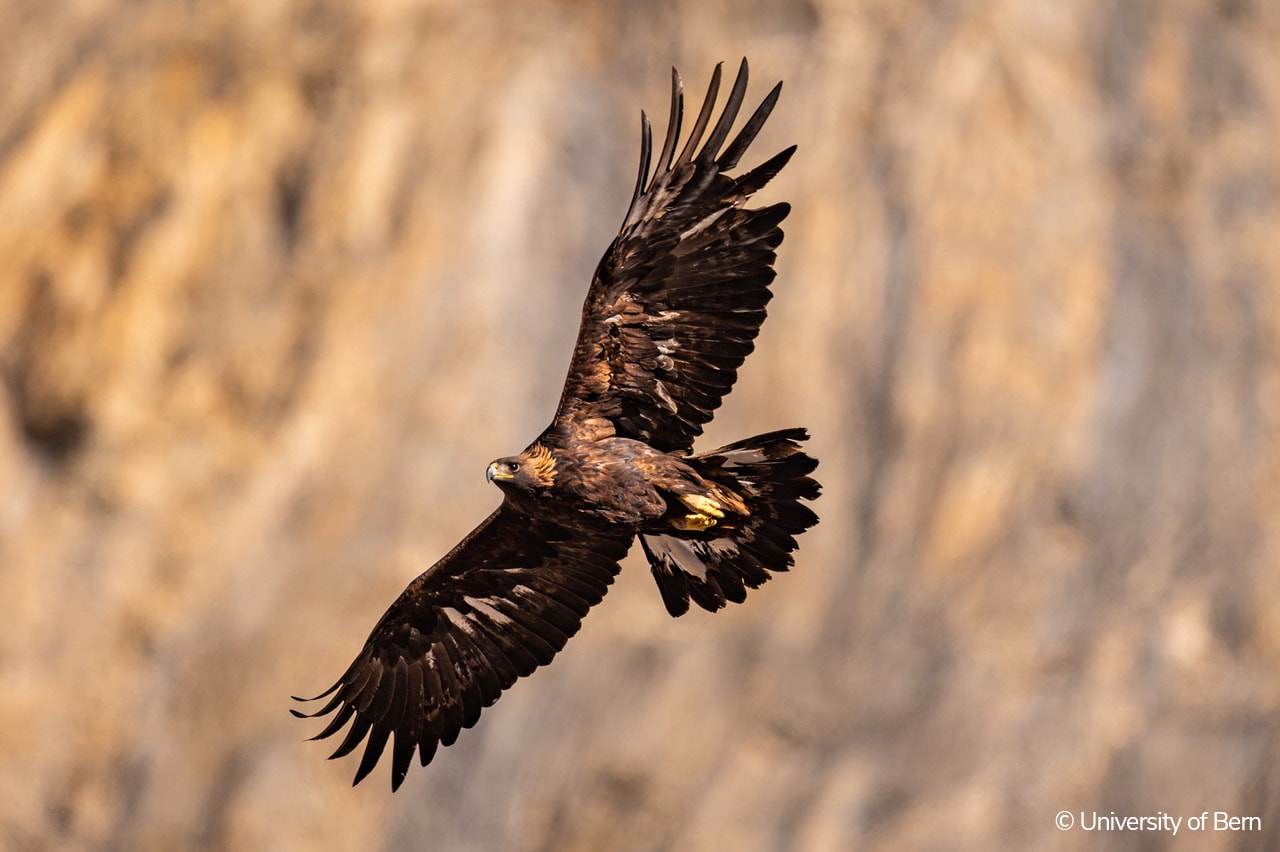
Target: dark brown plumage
x=673, y=309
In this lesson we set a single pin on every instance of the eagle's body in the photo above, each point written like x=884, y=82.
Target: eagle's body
x=672, y=312
x=621, y=482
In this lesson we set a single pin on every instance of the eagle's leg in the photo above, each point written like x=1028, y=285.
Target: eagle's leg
x=711, y=561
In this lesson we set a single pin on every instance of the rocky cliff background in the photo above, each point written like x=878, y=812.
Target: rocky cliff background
x=280, y=277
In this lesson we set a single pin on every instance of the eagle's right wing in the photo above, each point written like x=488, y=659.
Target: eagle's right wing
x=496, y=607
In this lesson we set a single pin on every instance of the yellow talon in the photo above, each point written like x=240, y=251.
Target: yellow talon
x=694, y=522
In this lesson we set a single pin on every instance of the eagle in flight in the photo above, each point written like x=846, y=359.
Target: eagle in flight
x=673, y=309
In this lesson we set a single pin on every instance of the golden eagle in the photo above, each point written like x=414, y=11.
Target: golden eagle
x=673, y=309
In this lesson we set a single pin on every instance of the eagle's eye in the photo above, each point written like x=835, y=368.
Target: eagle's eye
x=513, y=466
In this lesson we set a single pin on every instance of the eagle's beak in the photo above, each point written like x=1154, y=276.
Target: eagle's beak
x=495, y=471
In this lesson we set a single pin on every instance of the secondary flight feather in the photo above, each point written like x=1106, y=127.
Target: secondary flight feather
x=673, y=309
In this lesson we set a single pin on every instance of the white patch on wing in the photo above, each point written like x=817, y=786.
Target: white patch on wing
x=489, y=607
x=466, y=625
x=701, y=225
x=667, y=401
x=666, y=346
x=524, y=595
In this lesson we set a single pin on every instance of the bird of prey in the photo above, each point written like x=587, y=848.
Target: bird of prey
x=673, y=309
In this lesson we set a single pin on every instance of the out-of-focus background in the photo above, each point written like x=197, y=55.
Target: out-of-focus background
x=280, y=277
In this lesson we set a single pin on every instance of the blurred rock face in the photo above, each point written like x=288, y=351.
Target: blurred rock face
x=280, y=278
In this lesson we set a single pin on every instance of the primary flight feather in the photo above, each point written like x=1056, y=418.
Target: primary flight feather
x=673, y=310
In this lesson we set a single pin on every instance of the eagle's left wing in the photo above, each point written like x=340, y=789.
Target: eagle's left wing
x=496, y=607
x=679, y=296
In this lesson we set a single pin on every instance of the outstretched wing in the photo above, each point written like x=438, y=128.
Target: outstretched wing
x=499, y=605
x=680, y=295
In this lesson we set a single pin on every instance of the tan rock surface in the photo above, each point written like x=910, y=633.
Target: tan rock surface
x=281, y=277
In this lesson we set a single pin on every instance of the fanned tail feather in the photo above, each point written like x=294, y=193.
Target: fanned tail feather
x=771, y=473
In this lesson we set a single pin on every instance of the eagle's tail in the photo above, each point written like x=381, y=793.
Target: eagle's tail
x=720, y=562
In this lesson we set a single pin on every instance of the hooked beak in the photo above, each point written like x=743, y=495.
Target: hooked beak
x=496, y=471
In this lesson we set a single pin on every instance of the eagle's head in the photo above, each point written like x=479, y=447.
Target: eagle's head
x=531, y=471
